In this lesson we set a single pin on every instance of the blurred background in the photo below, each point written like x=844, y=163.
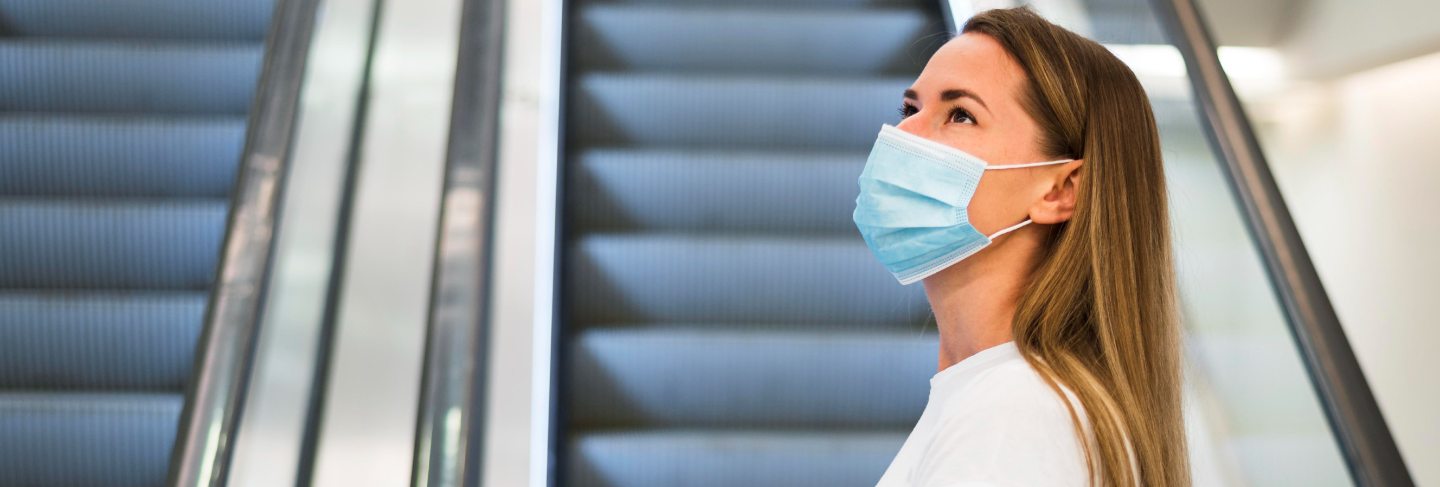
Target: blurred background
x=608, y=242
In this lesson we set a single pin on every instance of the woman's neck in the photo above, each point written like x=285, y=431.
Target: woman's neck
x=974, y=301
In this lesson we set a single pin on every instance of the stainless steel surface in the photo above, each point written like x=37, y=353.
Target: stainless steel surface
x=509, y=379
x=1369, y=449
x=268, y=444
x=547, y=249
x=366, y=432
x=217, y=388
x=339, y=259
x=448, y=437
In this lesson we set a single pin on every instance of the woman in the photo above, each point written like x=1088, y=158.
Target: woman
x=1059, y=361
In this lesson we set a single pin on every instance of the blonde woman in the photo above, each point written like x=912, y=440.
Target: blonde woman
x=1050, y=277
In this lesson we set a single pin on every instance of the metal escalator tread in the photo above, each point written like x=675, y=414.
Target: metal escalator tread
x=740, y=111
x=777, y=375
x=766, y=4
x=138, y=19
x=684, y=277
x=127, y=77
x=702, y=39
x=110, y=244
x=90, y=340
x=123, y=439
x=724, y=323
x=631, y=190
x=121, y=128
x=727, y=458
x=119, y=157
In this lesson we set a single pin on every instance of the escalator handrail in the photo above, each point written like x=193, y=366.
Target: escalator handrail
x=450, y=420
x=1365, y=440
x=224, y=352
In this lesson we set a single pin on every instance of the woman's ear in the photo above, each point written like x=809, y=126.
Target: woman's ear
x=1058, y=204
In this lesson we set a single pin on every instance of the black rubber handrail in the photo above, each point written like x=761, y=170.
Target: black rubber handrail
x=450, y=423
x=224, y=354
x=1365, y=440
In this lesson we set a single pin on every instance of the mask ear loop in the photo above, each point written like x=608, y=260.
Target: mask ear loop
x=1031, y=164
x=1009, y=229
x=1027, y=221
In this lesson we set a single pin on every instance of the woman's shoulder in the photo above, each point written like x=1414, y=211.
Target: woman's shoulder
x=1011, y=405
x=1007, y=427
x=1012, y=389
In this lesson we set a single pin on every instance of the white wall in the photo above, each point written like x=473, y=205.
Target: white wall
x=1359, y=165
x=1330, y=38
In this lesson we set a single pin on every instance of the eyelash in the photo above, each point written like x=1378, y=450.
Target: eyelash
x=907, y=110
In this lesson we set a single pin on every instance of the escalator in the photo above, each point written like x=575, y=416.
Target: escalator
x=720, y=323
x=121, y=125
x=723, y=323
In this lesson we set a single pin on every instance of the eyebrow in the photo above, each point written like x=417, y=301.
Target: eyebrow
x=951, y=94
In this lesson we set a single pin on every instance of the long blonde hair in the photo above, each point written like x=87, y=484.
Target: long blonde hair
x=1099, y=314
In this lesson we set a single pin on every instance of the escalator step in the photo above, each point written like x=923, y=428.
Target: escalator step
x=660, y=190
x=728, y=377
x=732, y=112
x=695, y=458
x=702, y=39
x=734, y=279
x=138, y=19
x=57, y=156
x=114, y=244
x=107, y=77
x=133, y=341
x=766, y=4
x=72, y=439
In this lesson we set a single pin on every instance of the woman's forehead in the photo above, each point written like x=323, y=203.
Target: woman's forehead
x=973, y=62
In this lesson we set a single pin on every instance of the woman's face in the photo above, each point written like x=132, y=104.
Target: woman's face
x=968, y=97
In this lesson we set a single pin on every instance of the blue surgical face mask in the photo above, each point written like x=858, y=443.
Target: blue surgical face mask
x=914, y=193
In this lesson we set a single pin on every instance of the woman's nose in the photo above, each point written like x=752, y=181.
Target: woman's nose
x=915, y=125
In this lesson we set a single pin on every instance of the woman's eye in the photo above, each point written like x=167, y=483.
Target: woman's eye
x=907, y=110
x=959, y=115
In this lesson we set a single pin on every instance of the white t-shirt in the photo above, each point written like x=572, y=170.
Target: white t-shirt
x=991, y=421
